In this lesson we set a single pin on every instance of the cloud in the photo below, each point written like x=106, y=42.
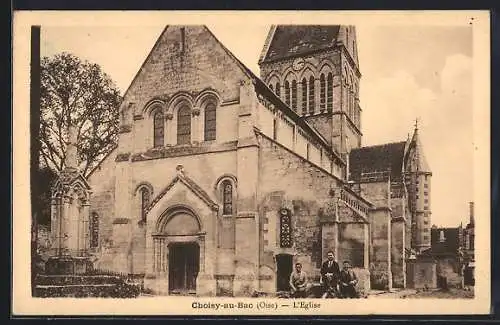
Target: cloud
x=391, y=105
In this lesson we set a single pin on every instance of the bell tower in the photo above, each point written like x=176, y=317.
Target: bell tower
x=314, y=69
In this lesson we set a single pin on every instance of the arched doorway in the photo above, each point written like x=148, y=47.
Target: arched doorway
x=183, y=266
x=180, y=249
x=284, y=267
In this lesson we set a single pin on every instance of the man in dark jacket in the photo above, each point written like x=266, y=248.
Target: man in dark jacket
x=330, y=273
x=348, y=281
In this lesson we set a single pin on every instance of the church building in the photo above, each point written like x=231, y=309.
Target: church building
x=222, y=180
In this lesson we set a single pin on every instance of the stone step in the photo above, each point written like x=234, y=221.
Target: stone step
x=74, y=285
x=78, y=279
x=101, y=290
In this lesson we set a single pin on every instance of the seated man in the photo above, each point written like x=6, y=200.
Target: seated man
x=330, y=273
x=330, y=284
x=348, y=281
x=298, y=282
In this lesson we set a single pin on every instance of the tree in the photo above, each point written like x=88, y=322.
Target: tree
x=79, y=93
x=47, y=178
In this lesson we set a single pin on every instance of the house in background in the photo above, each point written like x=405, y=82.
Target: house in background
x=468, y=248
x=446, y=249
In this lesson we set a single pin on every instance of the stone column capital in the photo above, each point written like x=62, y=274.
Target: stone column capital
x=195, y=111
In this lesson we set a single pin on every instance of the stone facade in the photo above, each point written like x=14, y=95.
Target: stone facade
x=224, y=202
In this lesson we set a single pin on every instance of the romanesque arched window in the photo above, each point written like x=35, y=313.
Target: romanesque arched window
x=145, y=199
x=304, y=96
x=94, y=230
x=294, y=95
x=329, y=92
x=285, y=228
x=210, y=122
x=184, y=125
x=322, y=92
x=311, y=95
x=159, y=128
x=287, y=93
x=278, y=89
x=227, y=197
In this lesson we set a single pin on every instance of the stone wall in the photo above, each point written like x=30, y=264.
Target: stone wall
x=102, y=183
x=449, y=268
x=289, y=181
x=398, y=264
x=381, y=234
x=380, y=257
x=421, y=274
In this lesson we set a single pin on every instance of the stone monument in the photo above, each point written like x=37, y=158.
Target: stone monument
x=70, y=216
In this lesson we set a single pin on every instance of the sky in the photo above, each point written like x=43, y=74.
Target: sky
x=408, y=72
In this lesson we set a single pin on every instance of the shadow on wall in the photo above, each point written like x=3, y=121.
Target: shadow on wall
x=378, y=277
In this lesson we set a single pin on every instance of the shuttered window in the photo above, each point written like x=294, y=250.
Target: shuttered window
x=184, y=125
x=227, y=197
x=145, y=197
x=304, y=96
x=322, y=92
x=287, y=93
x=294, y=95
x=311, y=95
x=329, y=93
x=159, y=129
x=210, y=122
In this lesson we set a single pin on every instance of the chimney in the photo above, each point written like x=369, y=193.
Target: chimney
x=471, y=213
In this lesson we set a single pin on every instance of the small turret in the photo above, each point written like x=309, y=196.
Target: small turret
x=471, y=214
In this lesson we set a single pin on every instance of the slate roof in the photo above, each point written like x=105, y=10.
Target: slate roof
x=449, y=246
x=377, y=158
x=423, y=165
x=292, y=40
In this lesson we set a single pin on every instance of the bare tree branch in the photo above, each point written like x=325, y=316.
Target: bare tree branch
x=77, y=92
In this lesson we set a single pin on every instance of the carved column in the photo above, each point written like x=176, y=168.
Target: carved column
x=65, y=224
x=55, y=235
x=317, y=95
x=196, y=125
x=161, y=256
x=85, y=222
x=155, y=254
x=169, y=129
x=201, y=242
x=367, y=246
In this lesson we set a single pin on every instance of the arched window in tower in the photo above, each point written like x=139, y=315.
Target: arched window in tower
x=322, y=92
x=278, y=89
x=304, y=96
x=210, y=122
x=311, y=95
x=294, y=95
x=184, y=125
x=329, y=92
x=158, y=128
x=145, y=199
x=287, y=93
x=227, y=197
x=94, y=230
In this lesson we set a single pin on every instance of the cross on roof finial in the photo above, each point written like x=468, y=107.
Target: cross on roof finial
x=416, y=123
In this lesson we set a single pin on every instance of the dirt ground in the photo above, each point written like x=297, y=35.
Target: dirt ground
x=449, y=294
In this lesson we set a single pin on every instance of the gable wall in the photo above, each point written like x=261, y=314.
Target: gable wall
x=168, y=71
